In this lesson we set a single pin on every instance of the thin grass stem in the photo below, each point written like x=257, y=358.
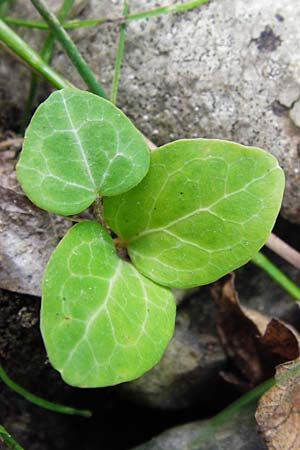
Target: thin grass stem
x=56, y=407
x=13, y=42
x=11, y=443
x=77, y=23
x=119, y=57
x=264, y=263
x=212, y=425
x=70, y=48
x=46, y=54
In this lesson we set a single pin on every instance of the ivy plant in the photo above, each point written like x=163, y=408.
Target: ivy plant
x=187, y=213
x=79, y=146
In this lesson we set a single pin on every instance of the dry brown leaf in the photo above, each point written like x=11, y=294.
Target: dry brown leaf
x=280, y=340
x=255, y=343
x=278, y=412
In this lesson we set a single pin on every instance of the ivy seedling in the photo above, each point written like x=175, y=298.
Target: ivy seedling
x=204, y=208
x=79, y=146
x=102, y=321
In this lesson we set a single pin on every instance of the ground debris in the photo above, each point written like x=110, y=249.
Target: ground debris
x=278, y=412
x=255, y=343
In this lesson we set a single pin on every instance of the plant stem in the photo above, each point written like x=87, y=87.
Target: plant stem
x=245, y=400
x=20, y=48
x=37, y=24
x=56, y=407
x=70, y=48
x=64, y=9
x=98, y=212
x=8, y=439
x=4, y=5
x=30, y=100
x=180, y=7
x=119, y=56
x=46, y=54
x=217, y=421
x=264, y=263
x=284, y=250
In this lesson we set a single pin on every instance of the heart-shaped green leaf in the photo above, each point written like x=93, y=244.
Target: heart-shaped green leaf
x=102, y=321
x=79, y=145
x=204, y=209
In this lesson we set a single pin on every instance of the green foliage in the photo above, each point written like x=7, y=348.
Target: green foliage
x=119, y=56
x=204, y=209
x=102, y=321
x=46, y=54
x=286, y=283
x=76, y=23
x=51, y=406
x=76, y=147
x=11, y=443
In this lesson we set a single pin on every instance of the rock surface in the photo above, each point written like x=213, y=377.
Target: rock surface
x=23, y=357
x=28, y=235
x=188, y=373
x=183, y=377
x=226, y=70
x=238, y=432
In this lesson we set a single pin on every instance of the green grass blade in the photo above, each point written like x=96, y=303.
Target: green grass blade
x=65, y=9
x=19, y=47
x=119, y=57
x=9, y=440
x=70, y=48
x=25, y=23
x=264, y=263
x=46, y=54
x=212, y=425
x=180, y=7
x=56, y=407
x=4, y=5
x=47, y=48
x=243, y=401
x=33, y=87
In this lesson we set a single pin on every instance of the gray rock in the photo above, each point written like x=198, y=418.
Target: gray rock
x=183, y=378
x=227, y=70
x=188, y=373
x=238, y=432
x=27, y=239
x=295, y=113
x=289, y=95
x=28, y=235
